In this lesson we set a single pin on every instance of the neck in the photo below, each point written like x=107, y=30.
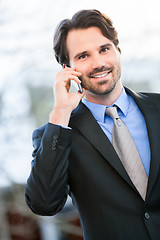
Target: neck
x=105, y=99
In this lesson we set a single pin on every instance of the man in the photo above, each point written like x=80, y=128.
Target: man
x=73, y=153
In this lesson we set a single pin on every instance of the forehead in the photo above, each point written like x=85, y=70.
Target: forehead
x=79, y=40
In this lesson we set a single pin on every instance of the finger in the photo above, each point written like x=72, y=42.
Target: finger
x=72, y=71
x=74, y=78
x=65, y=76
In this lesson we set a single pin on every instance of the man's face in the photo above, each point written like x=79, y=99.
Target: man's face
x=96, y=57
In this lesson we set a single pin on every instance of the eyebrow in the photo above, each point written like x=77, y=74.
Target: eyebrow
x=79, y=54
x=106, y=45
x=85, y=52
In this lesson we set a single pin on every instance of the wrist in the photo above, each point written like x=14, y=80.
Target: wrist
x=60, y=116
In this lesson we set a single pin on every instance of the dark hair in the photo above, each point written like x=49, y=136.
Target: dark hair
x=81, y=20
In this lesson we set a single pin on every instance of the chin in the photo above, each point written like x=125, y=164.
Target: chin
x=102, y=90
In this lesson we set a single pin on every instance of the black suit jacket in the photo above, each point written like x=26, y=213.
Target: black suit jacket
x=83, y=163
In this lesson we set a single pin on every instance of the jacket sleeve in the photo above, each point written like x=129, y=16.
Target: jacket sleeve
x=46, y=189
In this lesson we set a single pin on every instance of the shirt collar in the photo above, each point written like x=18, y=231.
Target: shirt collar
x=123, y=102
x=98, y=110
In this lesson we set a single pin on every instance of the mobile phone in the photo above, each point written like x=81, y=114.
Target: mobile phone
x=80, y=87
x=79, y=84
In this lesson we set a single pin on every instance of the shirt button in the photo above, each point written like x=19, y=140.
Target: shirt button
x=147, y=216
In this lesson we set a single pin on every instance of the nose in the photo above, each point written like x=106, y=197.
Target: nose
x=97, y=61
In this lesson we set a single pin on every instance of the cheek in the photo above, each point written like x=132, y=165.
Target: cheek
x=114, y=59
x=117, y=59
x=82, y=68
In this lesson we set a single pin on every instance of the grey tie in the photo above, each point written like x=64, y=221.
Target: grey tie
x=127, y=152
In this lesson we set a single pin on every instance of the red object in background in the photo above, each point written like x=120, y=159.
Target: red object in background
x=22, y=227
x=75, y=222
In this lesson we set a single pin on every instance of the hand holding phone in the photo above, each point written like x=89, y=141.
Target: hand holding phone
x=78, y=84
x=65, y=101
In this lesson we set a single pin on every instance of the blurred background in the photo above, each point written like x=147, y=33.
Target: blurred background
x=27, y=74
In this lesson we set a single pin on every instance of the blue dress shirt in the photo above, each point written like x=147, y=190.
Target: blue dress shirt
x=131, y=115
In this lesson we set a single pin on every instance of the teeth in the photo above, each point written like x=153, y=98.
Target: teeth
x=102, y=75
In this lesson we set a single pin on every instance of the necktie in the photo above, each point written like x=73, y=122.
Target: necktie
x=127, y=152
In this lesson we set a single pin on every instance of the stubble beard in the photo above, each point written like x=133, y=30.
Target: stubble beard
x=104, y=87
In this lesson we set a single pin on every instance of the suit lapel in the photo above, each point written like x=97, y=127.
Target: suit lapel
x=151, y=114
x=84, y=121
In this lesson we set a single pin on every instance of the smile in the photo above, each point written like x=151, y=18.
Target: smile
x=101, y=75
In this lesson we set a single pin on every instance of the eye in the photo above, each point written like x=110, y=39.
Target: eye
x=83, y=56
x=105, y=49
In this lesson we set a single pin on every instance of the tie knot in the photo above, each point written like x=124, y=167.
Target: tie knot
x=112, y=112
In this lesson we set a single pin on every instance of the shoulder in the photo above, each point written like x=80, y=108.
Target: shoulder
x=154, y=96
x=143, y=95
